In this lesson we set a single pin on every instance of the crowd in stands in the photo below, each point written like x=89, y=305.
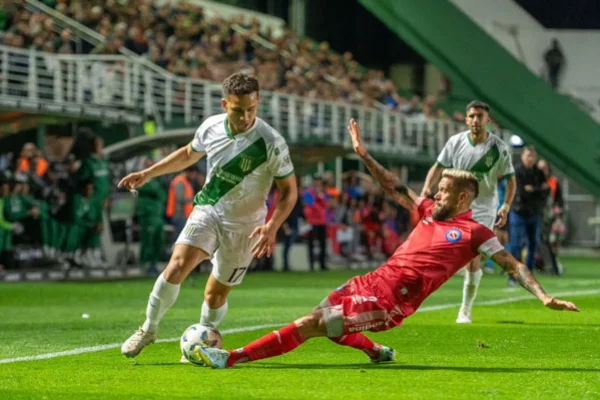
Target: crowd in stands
x=51, y=210
x=51, y=213
x=181, y=39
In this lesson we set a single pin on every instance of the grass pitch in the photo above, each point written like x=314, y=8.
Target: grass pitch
x=515, y=349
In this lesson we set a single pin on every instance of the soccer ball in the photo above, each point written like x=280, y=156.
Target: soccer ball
x=199, y=336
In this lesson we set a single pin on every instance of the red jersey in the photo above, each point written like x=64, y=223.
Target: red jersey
x=434, y=251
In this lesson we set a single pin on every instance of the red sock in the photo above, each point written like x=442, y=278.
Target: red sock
x=358, y=341
x=274, y=344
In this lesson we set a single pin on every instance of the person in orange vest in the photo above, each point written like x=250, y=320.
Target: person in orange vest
x=32, y=161
x=180, y=200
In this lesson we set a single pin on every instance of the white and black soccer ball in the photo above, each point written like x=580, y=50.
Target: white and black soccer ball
x=199, y=336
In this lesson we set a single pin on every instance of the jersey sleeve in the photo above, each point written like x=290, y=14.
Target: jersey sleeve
x=280, y=163
x=506, y=168
x=424, y=204
x=445, y=157
x=485, y=242
x=197, y=144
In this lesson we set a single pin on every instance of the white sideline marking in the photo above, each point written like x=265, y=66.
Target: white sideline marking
x=92, y=349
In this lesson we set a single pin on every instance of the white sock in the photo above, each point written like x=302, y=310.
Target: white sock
x=471, y=284
x=212, y=316
x=161, y=299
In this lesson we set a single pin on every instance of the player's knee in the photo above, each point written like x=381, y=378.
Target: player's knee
x=215, y=300
x=175, y=271
x=312, y=325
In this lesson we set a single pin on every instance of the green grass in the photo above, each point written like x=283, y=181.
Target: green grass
x=511, y=351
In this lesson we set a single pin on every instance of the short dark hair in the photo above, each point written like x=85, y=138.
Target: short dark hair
x=240, y=84
x=478, y=104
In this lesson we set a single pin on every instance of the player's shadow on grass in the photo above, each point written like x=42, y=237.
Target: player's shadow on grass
x=366, y=367
x=546, y=324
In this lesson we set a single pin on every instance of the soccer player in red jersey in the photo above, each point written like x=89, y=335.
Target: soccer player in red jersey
x=444, y=240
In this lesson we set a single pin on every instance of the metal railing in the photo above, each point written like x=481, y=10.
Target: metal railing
x=127, y=84
x=61, y=84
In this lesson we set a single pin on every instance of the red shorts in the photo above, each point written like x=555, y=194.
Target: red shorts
x=360, y=306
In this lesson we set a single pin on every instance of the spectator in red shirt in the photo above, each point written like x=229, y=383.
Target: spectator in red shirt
x=315, y=209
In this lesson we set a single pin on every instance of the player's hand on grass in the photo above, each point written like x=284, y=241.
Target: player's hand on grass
x=503, y=215
x=560, y=305
x=266, y=241
x=134, y=180
x=357, y=143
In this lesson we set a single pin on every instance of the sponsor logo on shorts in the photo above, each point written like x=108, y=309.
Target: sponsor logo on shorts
x=366, y=327
x=453, y=235
x=356, y=299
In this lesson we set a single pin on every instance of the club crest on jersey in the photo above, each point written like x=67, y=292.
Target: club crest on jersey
x=246, y=163
x=453, y=235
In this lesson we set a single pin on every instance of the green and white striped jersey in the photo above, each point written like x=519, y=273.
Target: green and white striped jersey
x=241, y=170
x=488, y=161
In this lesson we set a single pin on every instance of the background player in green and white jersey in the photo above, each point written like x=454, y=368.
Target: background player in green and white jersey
x=489, y=159
x=244, y=156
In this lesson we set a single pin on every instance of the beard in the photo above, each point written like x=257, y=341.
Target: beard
x=442, y=213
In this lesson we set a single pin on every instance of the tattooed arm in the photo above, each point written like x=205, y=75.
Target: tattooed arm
x=521, y=274
x=389, y=182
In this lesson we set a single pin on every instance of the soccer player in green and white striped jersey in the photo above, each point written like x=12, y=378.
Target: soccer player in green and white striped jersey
x=488, y=158
x=244, y=156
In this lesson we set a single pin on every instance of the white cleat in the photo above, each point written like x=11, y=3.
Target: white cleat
x=136, y=342
x=213, y=357
x=463, y=317
x=184, y=360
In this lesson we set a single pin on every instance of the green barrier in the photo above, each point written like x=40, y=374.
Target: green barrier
x=568, y=137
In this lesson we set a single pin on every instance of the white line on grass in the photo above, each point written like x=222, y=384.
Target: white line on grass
x=92, y=349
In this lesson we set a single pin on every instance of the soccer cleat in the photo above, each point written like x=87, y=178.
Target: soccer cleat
x=386, y=354
x=213, y=357
x=464, y=317
x=136, y=342
x=184, y=360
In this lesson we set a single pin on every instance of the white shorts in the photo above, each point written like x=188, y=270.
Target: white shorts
x=486, y=219
x=230, y=252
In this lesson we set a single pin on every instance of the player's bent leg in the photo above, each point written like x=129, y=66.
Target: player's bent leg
x=335, y=322
x=376, y=352
x=215, y=305
x=230, y=265
x=164, y=293
x=471, y=284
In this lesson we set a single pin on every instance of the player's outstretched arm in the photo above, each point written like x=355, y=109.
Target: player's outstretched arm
x=178, y=160
x=388, y=181
x=521, y=274
x=433, y=177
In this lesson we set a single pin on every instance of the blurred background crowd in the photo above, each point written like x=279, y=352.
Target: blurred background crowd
x=184, y=41
x=54, y=211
